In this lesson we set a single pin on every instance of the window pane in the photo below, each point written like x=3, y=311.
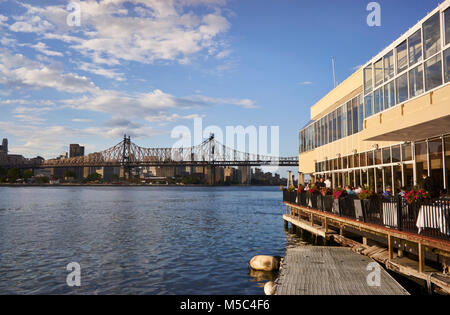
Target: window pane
x=447, y=26
x=402, y=88
x=339, y=123
x=416, y=81
x=396, y=154
x=334, y=126
x=330, y=128
x=406, y=152
x=433, y=72
x=402, y=59
x=349, y=119
x=378, y=156
x=386, y=155
x=415, y=47
x=368, y=79
x=389, y=94
x=447, y=64
x=378, y=68
x=361, y=113
x=370, y=158
x=355, y=115
x=344, y=120
x=368, y=105
x=436, y=162
x=378, y=100
x=363, y=159
x=389, y=70
x=432, y=35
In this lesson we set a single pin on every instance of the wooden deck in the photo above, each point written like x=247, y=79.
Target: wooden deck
x=315, y=270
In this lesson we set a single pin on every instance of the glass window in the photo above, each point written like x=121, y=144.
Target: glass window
x=402, y=88
x=416, y=81
x=378, y=68
x=349, y=119
x=344, y=162
x=386, y=155
x=362, y=159
x=389, y=70
x=436, y=162
x=370, y=158
x=334, y=126
x=378, y=100
x=368, y=79
x=378, y=156
x=355, y=115
x=330, y=128
x=415, y=47
x=339, y=123
x=447, y=26
x=432, y=35
x=368, y=105
x=421, y=160
x=344, y=120
x=389, y=94
x=402, y=57
x=433, y=72
x=396, y=153
x=356, y=159
x=447, y=65
x=406, y=152
x=361, y=113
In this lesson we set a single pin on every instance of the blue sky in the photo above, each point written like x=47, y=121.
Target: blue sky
x=143, y=67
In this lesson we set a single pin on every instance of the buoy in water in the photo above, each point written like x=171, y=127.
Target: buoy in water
x=269, y=288
x=265, y=263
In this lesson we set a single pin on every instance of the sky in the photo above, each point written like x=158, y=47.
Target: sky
x=144, y=67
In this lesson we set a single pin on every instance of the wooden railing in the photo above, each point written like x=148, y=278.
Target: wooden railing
x=428, y=218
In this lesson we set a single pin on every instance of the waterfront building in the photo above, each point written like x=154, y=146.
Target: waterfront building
x=76, y=150
x=390, y=120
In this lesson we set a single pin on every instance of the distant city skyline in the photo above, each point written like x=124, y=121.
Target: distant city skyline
x=144, y=67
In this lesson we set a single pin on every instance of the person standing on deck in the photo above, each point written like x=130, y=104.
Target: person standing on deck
x=429, y=185
x=328, y=182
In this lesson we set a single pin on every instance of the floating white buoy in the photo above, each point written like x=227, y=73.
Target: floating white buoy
x=265, y=263
x=269, y=288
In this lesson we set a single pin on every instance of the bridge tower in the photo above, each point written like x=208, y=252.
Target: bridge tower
x=126, y=151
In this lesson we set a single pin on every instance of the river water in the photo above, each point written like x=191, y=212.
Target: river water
x=138, y=240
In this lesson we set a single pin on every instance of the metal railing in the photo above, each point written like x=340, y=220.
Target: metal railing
x=427, y=217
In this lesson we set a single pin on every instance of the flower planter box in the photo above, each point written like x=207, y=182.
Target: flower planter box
x=327, y=203
x=347, y=207
x=314, y=200
x=359, y=210
x=302, y=198
x=335, y=209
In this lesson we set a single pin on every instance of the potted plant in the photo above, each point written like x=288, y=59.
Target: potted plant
x=366, y=205
x=415, y=198
x=301, y=195
x=313, y=194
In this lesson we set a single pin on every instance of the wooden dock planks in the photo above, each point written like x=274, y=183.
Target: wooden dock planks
x=331, y=271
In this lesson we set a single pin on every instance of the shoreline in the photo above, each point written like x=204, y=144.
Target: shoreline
x=127, y=185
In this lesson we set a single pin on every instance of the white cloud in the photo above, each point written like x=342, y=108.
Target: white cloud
x=41, y=47
x=82, y=120
x=306, y=83
x=162, y=30
x=17, y=71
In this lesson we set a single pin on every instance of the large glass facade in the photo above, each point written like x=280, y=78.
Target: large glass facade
x=344, y=121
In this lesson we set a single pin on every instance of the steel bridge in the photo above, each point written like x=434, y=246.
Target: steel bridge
x=129, y=155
